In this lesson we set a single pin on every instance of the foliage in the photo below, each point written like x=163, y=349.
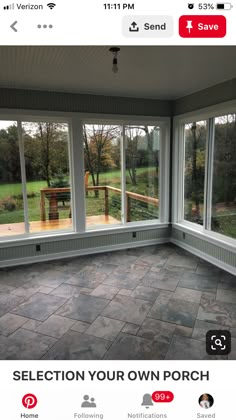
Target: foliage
x=224, y=176
x=99, y=141
x=142, y=149
x=46, y=150
x=225, y=224
x=10, y=170
x=224, y=167
x=195, y=149
x=61, y=182
x=10, y=204
x=115, y=206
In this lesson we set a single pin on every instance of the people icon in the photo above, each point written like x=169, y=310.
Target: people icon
x=206, y=401
x=88, y=403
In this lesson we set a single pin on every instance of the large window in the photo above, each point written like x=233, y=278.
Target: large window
x=11, y=196
x=47, y=175
x=35, y=187
x=194, y=171
x=122, y=171
x=223, y=217
x=142, y=150
x=207, y=191
x=102, y=178
x=72, y=173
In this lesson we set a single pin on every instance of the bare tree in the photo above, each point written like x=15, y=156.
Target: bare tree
x=98, y=142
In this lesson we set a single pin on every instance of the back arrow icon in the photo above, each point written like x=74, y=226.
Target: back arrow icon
x=13, y=26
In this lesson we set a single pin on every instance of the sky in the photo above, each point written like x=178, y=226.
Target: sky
x=5, y=124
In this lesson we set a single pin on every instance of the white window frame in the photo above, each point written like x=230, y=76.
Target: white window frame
x=164, y=179
x=20, y=117
x=178, y=221
x=23, y=175
x=75, y=123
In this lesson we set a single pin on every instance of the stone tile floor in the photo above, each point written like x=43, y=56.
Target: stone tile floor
x=155, y=302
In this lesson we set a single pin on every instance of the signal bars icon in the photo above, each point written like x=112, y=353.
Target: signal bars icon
x=51, y=5
x=9, y=7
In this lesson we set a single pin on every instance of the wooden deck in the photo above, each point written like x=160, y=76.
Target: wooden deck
x=52, y=195
x=18, y=228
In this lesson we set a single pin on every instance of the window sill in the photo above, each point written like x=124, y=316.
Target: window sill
x=66, y=235
x=206, y=235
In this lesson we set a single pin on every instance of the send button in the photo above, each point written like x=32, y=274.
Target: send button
x=148, y=26
x=151, y=27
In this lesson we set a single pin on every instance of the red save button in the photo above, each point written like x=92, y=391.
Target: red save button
x=202, y=26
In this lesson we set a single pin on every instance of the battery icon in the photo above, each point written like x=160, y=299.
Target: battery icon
x=224, y=6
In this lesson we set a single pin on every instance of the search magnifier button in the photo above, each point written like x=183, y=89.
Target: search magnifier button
x=218, y=342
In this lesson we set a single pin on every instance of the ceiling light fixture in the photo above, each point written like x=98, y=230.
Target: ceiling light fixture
x=114, y=51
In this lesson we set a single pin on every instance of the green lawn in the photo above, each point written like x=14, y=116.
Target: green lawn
x=112, y=178
x=94, y=205
x=139, y=211
x=223, y=222
x=14, y=190
x=7, y=190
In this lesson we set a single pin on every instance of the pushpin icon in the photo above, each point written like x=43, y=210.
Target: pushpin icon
x=189, y=25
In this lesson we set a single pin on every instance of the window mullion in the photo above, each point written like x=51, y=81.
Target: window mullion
x=163, y=178
x=209, y=175
x=123, y=178
x=181, y=172
x=23, y=176
x=77, y=175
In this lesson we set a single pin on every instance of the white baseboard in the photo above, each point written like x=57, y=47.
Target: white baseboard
x=80, y=252
x=117, y=247
x=204, y=256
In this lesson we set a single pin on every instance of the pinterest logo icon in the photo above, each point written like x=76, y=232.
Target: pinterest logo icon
x=29, y=401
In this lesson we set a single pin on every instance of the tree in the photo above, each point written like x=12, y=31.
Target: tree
x=224, y=184
x=98, y=144
x=140, y=149
x=132, y=136
x=46, y=150
x=10, y=170
x=195, y=146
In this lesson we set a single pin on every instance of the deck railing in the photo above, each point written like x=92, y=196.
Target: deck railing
x=52, y=195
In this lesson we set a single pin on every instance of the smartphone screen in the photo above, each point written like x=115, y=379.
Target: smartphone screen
x=117, y=210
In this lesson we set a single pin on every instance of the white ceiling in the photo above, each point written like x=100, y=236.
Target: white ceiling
x=148, y=72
